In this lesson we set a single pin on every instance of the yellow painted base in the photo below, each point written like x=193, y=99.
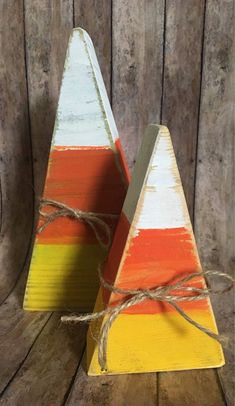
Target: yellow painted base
x=63, y=277
x=148, y=343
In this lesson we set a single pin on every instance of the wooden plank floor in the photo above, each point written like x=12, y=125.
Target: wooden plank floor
x=43, y=363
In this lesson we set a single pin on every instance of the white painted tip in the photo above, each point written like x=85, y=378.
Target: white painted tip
x=155, y=198
x=84, y=116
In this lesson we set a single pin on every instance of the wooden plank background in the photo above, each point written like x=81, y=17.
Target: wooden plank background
x=163, y=61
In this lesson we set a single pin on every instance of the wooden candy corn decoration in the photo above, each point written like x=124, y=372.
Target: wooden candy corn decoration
x=154, y=246
x=85, y=171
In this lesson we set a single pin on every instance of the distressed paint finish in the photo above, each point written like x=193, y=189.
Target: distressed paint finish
x=48, y=23
x=156, y=249
x=162, y=192
x=86, y=170
x=84, y=117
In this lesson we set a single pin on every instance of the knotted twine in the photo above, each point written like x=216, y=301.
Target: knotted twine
x=94, y=220
x=163, y=293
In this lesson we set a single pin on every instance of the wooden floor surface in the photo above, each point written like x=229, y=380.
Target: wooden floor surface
x=43, y=363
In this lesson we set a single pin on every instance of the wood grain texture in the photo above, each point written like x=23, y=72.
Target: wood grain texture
x=15, y=156
x=194, y=388
x=158, y=249
x=49, y=367
x=19, y=330
x=181, y=88
x=113, y=390
x=94, y=16
x=137, y=75
x=137, y=49
x=215, y=182
x=47, y=28
x=63, y=272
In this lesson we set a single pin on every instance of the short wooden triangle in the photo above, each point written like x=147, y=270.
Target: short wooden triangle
x=154, y=245
x=87, y=171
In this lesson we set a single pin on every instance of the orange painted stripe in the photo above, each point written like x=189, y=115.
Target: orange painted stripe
x=155, y=257
x=89, y=179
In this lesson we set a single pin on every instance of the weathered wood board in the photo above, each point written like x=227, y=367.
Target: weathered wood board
x=95, y=17
x=86, y=171
x=183, y=46
x=137, y=66
x=215, y=175
x=113, y=390
x=17, y=326
x=47, y=27
x=16, y=215
x=199, y=387
x=48, y=369
x=153, y=246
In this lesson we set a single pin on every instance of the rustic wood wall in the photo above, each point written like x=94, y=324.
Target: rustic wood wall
x=163, y=61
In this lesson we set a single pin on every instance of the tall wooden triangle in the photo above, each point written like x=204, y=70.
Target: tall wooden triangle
x=154, y=245
x=87, y=171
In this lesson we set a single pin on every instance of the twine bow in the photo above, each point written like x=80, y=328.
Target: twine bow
x=163, y=293
x=94, y=220
x=158, y=294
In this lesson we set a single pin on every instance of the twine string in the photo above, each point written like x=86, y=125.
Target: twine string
x=158, y=294
x=95, y=221
x=164, y=293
